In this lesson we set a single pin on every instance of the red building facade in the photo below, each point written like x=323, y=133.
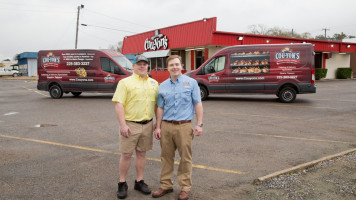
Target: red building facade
x=199, y=40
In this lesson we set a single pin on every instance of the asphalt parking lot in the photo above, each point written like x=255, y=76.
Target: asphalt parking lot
x=68, y=148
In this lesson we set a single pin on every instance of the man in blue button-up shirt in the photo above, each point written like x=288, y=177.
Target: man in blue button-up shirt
x=177, y=99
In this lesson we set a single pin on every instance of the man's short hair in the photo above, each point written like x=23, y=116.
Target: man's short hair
x=173, y=57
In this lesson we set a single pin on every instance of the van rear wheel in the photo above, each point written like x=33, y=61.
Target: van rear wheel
x=56, y=92
x=76, y=93
x=287, y=95
x=203, y=93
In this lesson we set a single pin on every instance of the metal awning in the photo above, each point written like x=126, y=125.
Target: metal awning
x=157, y=54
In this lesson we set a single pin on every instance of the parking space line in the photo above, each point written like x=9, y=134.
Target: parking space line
x=116, y=153
x=32, y=90
x=286, y=137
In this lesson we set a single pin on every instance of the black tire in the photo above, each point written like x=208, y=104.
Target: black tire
x=76, y=93
x=287, y=95
x=56, y=92
x=203, y=93
x=15, y=74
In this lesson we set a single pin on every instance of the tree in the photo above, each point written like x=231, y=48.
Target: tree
x=320, y=37
x=340, y=37
x=117, y=47
x=261, y=29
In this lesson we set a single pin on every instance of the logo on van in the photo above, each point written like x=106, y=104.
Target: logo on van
x=109, y=79
x=287, y=56
x=50, y=60
x=213, y=78
x=157, y=41
x=81, y=72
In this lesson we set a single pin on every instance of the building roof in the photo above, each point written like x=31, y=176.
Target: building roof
x=203, y=33
x=25, y=55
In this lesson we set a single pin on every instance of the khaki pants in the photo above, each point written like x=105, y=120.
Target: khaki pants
x=176, y=136
x=140, y=138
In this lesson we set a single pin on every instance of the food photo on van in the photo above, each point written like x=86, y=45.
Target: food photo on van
x=281, y=69
x=77, y=71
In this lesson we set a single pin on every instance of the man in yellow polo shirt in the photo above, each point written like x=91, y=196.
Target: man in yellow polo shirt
x=135, y=103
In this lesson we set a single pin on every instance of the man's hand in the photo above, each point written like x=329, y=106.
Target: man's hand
x=198, y=130
x=125, y=131
x=158, y=133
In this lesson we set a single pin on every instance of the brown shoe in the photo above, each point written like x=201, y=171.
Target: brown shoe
x=161, y=192
x=183, y=195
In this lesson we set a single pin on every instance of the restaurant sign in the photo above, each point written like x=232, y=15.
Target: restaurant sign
x=157, y=41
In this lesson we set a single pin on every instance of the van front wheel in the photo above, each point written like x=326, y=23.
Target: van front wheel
x=56, y=92
x=287, y=95
x=203, y=93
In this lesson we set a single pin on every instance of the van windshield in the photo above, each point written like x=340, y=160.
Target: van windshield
x=124, y=62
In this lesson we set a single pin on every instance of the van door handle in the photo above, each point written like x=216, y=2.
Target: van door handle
x=223, y=74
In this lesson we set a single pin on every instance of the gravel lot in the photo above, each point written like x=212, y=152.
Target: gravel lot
x=332, y=179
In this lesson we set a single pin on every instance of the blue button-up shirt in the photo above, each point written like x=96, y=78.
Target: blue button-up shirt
x=178, y=99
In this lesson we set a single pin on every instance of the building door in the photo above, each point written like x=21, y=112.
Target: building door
x=318, y=60
x=199, y=58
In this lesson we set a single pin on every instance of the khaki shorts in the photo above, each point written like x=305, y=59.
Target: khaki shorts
x=140, y=138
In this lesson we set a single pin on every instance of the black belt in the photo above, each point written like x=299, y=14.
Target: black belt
x=142, y=122
x=178, y=122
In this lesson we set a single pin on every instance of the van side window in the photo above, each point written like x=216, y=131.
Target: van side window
x=108, y=65
x=215, y=65
x=250, y=62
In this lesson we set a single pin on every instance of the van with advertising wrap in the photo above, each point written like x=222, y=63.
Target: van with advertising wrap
x=77, y=71
x=281, y=69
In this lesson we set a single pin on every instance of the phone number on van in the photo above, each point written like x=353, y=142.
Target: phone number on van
x=287, y=77
x=77, y=63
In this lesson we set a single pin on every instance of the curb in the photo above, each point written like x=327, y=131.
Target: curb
x=34, y=78
x=262, y=179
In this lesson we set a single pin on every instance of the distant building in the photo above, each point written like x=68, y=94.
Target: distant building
x=130, y=57
x=8, y=64
x=27, y=62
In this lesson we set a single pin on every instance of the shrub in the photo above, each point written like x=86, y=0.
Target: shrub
x=343, y=73
x=320, y=73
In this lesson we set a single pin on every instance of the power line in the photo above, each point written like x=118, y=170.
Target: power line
x=108, y=28
x=118, y=19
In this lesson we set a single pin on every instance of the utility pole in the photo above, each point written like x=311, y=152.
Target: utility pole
x=342, y=36
x=325, y=29
x=76, y=34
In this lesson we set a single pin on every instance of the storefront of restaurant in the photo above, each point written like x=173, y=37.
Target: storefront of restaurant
x=197, y=41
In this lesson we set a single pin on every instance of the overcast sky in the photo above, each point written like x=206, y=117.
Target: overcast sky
x=33, y=25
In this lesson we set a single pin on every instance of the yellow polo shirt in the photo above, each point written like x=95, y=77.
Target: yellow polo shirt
x=138, y=96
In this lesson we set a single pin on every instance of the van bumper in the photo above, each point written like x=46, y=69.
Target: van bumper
x=307, y=88
x=42, y=86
